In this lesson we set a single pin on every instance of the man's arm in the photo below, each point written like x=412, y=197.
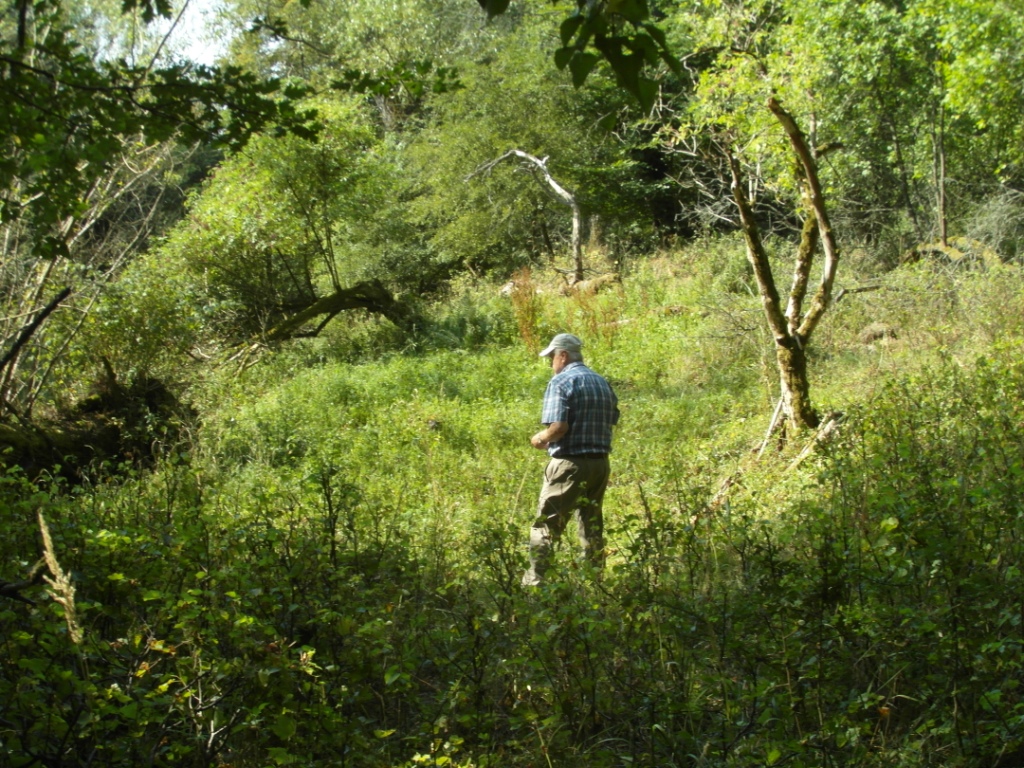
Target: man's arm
x=555, y=431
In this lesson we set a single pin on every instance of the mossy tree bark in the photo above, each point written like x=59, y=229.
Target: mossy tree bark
x=796, y=389
x=792, y=328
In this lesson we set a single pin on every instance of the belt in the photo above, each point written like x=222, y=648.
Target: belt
x=583, y=456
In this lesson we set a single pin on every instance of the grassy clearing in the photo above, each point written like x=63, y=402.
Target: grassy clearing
x=332, y=577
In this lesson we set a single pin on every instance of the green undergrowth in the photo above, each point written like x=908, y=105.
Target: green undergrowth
x=331, y=575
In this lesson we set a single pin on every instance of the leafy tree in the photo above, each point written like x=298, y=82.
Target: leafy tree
x=517, y=101
x=921, y=95
x=81, y=174
x=979, y=70
x=984, y=76
x=289, y=232
x=395, y=54
x=68, y=113
x=621, y=32
x=788, y=54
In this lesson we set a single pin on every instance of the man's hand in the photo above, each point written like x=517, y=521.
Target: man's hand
x=554, y=432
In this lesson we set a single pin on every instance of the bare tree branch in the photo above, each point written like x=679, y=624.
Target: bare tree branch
x=537, y=164
x=35, y=576
x=28, y=330
x=824, y=294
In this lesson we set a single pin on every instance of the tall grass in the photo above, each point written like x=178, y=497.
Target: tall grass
x=332, y=577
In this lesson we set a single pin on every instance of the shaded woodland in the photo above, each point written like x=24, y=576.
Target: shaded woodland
x=268, y=370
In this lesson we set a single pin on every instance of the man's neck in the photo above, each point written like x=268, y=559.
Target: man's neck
x=570, y=365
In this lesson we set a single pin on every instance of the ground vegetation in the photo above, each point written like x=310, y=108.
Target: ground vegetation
x=331, y=575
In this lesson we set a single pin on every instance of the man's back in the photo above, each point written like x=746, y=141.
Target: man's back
x=585, y=401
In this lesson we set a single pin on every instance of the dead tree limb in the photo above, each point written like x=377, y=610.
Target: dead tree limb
x=370, y=295
x=13, y=589
x=32, y=327
x=771, y=428
x=540, y=165
x=822, y=436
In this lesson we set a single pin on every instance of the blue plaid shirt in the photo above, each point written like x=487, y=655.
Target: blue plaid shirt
x=585, y=401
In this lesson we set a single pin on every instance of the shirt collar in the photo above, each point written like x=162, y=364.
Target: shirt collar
x=570, y=366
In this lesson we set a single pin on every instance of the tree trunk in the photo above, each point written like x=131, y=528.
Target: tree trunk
x=792, y=328
x=796, y=389
x=370, y=295
x=789, y=346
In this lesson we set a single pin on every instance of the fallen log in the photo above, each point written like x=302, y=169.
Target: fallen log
x=592, y=286
x=370, y=295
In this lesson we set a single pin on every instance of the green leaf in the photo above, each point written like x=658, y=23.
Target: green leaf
x=656, y=33
x=644, y=45
x=628, y=68
x=581, y=65
x=284, y=727
x=569, y=28
x=149, y=9
x=563, y=56
x=34, y=665
x=633, y=11
x=282, y=756
x=494, y=7
x=646, y=93
x=671, y=62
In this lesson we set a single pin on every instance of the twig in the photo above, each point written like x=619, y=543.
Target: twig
x=862, y=289
x=822, y=436
x=771, y=427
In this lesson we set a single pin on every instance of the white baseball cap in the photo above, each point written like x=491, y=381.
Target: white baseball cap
x=565, y=341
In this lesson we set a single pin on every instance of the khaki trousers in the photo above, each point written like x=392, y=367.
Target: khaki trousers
x=570, y=485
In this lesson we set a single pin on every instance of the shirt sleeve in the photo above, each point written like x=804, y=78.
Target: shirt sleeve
x=556, y=404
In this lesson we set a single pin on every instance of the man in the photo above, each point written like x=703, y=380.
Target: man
x=579, y=412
